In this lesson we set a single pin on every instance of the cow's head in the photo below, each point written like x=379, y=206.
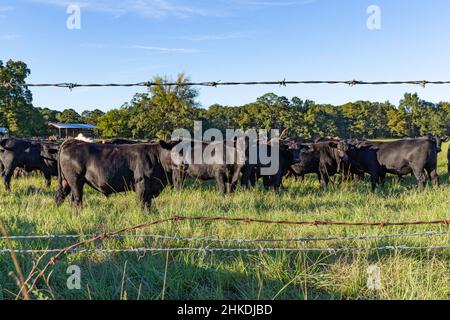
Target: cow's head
x=293, y=153
x=341, y=148
x=50, y=151
x=173, y=154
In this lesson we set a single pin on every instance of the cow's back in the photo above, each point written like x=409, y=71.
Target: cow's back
x=110, y=168
x=403, y=156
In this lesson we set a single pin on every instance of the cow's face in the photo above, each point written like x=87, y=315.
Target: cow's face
x=49, y=152
x=295, y=154
x=294, y=151
x=342, y=148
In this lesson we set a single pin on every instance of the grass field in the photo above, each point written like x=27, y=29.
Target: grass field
x=30, y=209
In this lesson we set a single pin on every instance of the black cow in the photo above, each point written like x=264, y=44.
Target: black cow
x=362, y=159
x=27, y=155
x=288, y=155
x=225, y=166
x=408, y=156
x=324, y=158
x=144, y=168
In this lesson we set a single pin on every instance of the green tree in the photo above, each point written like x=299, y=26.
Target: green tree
x=164, y=109
x=17, y=113
x=115, y=124
x=69, y=116
x=92, y=117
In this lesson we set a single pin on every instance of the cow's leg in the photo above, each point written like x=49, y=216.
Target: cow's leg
x=48, y=177
x=247, y=176
x=221, y=183
x=77, y=191
x=382, y=178
x=62, y=192
x=177, y=179
x=267, y=182
x=420, y=176
x=432, y=174
x=235, y=179
x=277, y=182
x=7, y=175
x=253, y=178
x=300, y=178
x=374, y=180
x=324, y=179
x=144, y=193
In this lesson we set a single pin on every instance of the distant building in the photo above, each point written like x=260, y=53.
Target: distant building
x=4, y=133
x=71, y=130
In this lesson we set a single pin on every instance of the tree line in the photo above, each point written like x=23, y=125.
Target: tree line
x=162, y=109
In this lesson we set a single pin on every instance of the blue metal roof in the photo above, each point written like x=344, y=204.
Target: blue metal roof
x=73, y=126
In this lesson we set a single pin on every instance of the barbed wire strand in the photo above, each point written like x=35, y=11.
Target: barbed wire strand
x=283, y=83
x=105, y=235
x=209, y=249
x=206, y=239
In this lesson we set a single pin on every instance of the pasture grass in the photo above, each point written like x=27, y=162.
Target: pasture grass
x=30, y=209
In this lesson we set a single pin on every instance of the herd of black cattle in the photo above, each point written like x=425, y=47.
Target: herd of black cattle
x=146, y=168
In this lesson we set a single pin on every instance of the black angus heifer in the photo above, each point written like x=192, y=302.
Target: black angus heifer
x=23, y=154
x=288, y=155
x=49, y=152
x=362, y=159
x=323, y=158
x=144, y=168
x=222, y=161
x=407, y=156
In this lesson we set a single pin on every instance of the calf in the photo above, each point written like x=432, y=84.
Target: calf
x=288, y=155
x=221, y=161
x=363, y=159
x=324, y=158
x=23, y=154
x=144, y=168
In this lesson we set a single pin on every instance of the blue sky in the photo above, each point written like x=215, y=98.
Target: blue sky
x=212, y=40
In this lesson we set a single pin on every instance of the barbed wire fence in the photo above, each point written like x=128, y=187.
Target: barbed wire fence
x=94, y=239
x=282, y=83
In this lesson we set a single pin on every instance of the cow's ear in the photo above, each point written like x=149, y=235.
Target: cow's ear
x=166, y=145
x=333, y=144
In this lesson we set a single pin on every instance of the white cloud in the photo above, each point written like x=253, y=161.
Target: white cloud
x=6, y=8
x=92, y=45
x=154, y=9
x=163, y=50
x=222, y=36
x=146, y=8
x=8, y=37
x=140, y=47
x=258, y=3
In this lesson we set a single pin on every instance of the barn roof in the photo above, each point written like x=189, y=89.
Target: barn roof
x=73, y=126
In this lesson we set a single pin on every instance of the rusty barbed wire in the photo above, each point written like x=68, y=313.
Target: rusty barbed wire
x=105, y=235
x=215, y=84
x=208, y=239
